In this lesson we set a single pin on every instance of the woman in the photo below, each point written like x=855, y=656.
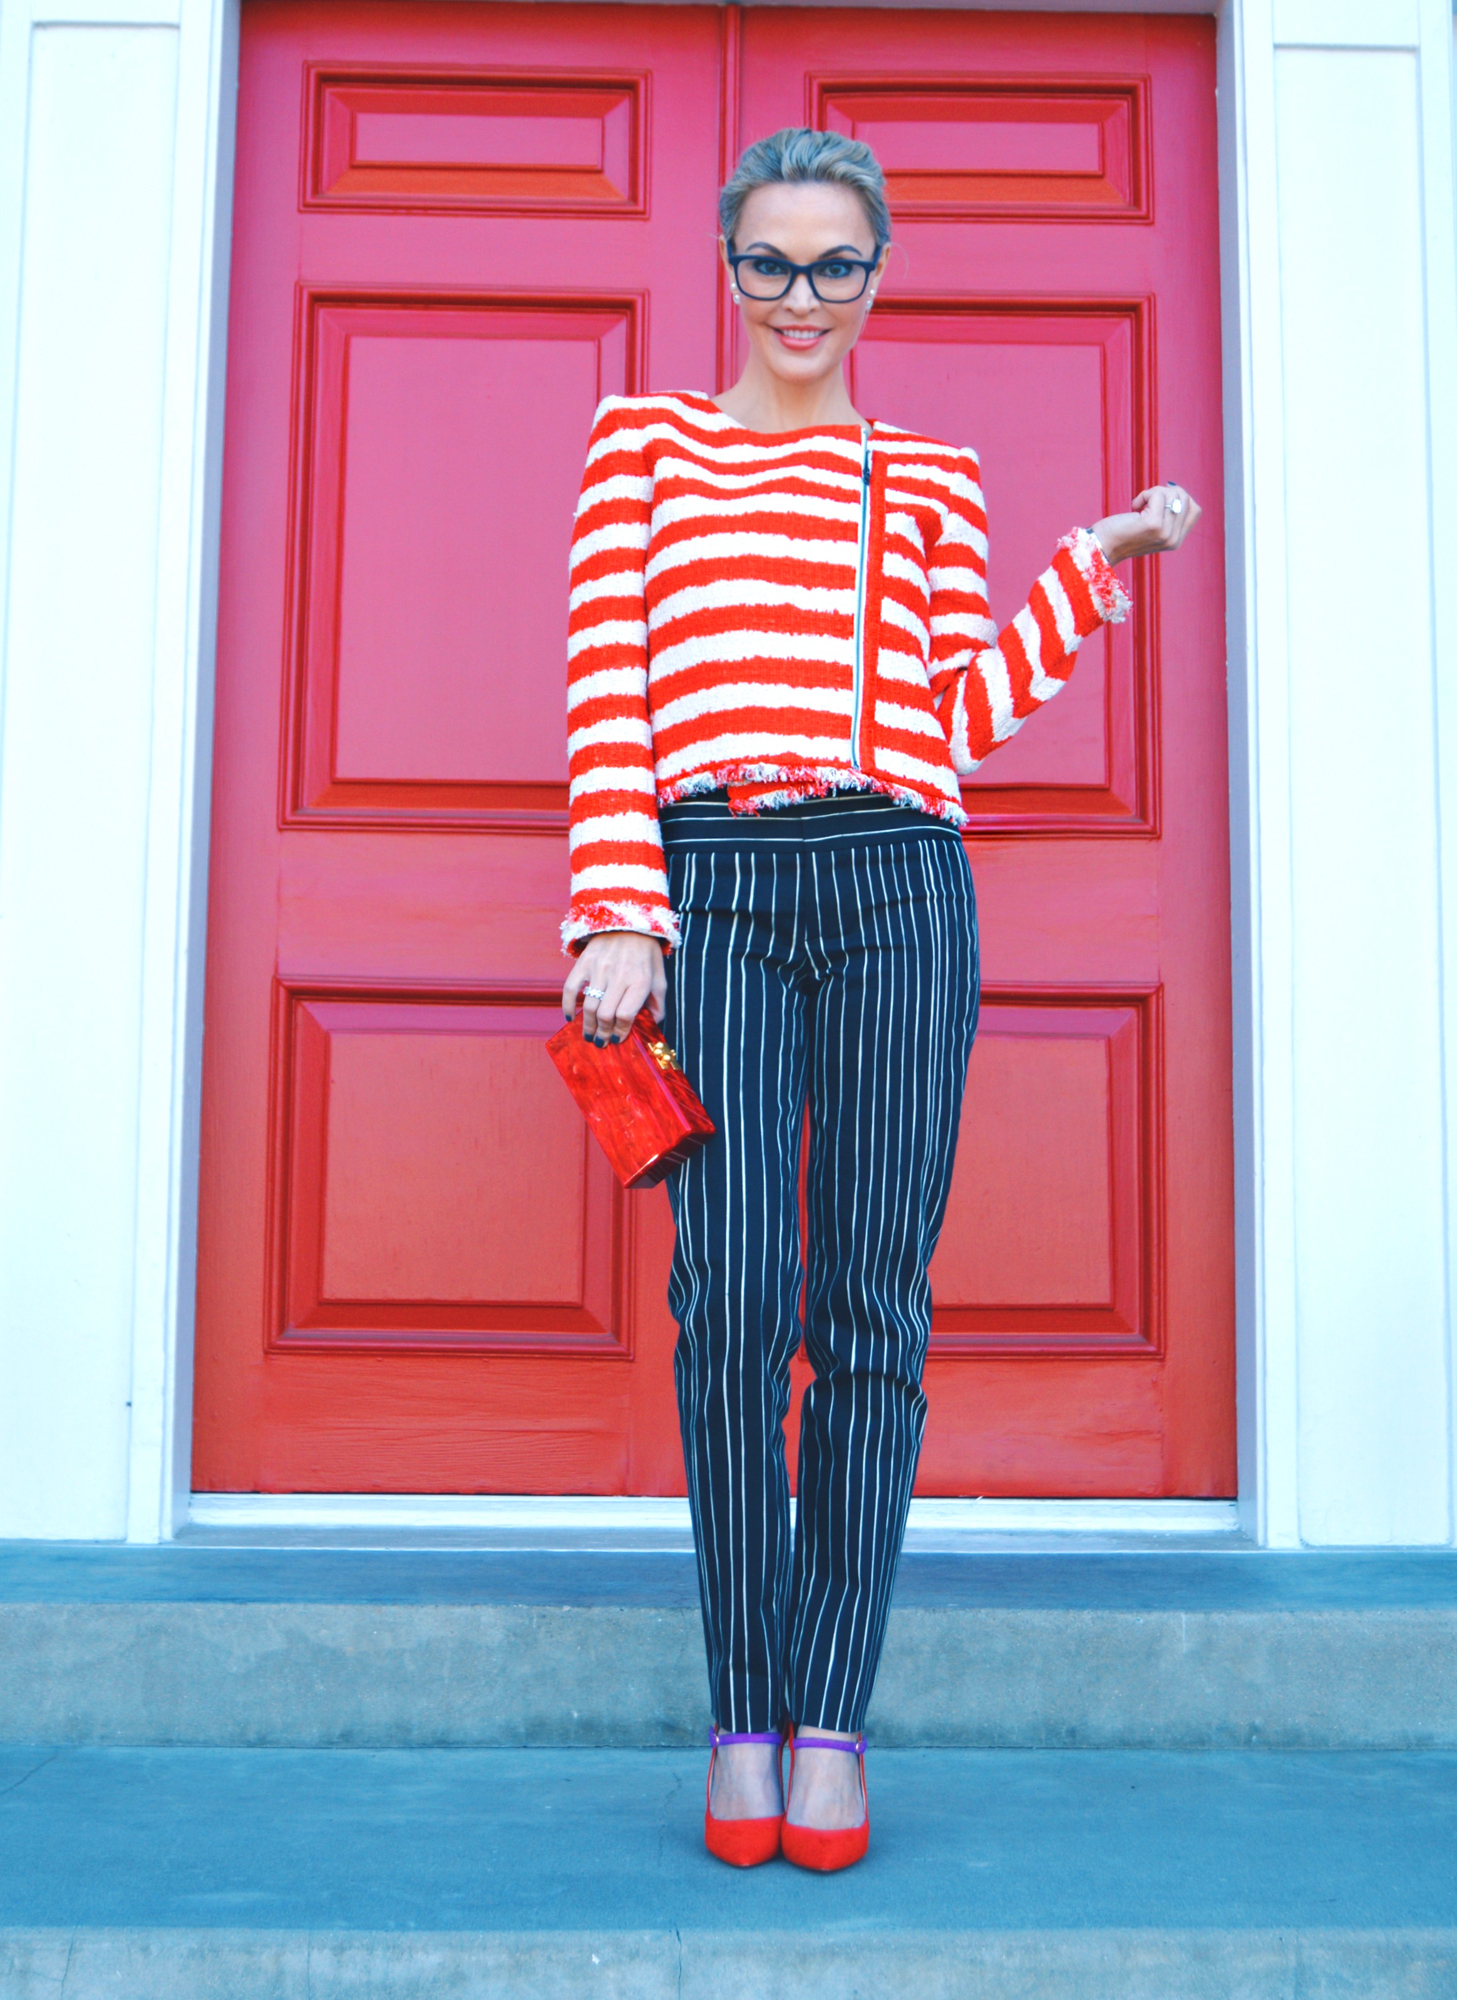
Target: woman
x=781, y=662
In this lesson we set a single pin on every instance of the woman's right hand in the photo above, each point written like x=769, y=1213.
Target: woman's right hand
x=617, y=973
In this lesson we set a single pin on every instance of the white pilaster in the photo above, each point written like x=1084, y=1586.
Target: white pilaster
x=1342, y=262
x=1438, y=141
x=1259, y=756
x=110, y=190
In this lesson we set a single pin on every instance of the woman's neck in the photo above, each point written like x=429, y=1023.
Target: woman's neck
x=763, y=402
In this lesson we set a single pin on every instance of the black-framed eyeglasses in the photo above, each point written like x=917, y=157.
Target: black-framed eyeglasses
x=835, y=281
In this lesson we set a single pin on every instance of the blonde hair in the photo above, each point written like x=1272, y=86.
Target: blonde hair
x=799, y=153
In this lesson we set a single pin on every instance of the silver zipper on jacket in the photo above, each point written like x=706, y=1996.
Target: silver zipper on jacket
x=858, y=685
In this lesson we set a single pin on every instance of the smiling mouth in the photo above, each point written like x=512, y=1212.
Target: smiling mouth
x=801, y=336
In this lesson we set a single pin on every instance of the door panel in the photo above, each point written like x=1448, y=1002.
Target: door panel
x=397, y=1118
x=501, y=145
x=457, y=227
x=988, y=146
x=1052, y=392
x=422, y=415
x=1053, y=300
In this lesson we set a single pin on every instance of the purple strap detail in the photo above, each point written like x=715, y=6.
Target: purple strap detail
x=722, y=1736
x=854, y=1749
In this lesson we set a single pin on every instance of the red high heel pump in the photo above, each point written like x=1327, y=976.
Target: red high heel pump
x=743, y=1843
x=816, y=1847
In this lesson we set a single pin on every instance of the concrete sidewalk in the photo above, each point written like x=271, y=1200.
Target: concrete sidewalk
x=1046, y=1875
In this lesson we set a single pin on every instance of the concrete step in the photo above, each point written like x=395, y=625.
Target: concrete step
x=1011, y=1875
x=396, y=1647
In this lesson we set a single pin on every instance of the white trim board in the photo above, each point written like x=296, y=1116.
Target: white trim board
x=1347, y=24
x=548, y=1521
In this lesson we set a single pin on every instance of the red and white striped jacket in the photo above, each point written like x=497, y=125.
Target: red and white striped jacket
x=785, y=615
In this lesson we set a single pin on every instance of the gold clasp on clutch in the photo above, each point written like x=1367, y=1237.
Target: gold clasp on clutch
x=662, y=1055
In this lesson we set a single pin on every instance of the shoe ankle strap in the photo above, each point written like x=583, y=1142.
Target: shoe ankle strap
x=854, y=1748
x=718, y=1737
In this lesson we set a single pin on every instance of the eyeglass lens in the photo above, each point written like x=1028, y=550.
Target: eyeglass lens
x=834, y=280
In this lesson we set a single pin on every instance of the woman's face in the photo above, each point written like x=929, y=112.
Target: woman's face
x=800, y=338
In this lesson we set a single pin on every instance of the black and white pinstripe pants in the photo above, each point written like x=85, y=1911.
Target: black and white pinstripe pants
x=829, y=957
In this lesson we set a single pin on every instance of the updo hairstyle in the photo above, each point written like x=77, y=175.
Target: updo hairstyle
x=800, y=154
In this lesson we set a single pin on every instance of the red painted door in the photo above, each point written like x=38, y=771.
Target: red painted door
x=456, y=227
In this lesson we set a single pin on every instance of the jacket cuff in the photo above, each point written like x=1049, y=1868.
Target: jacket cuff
x=1110, y=600
x=589, y=920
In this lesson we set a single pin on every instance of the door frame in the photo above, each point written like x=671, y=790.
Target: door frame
x=1268, y=1143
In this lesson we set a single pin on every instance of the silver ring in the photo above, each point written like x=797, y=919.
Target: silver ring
x=1176, y=505
x=594, y=992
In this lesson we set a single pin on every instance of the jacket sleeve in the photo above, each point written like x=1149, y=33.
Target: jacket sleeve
x=619, y=882
x=984, y=683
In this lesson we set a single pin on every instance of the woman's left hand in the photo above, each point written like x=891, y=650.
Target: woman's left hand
x=1158, y=521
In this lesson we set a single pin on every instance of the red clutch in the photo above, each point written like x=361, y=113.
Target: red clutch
x=643, y=1110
